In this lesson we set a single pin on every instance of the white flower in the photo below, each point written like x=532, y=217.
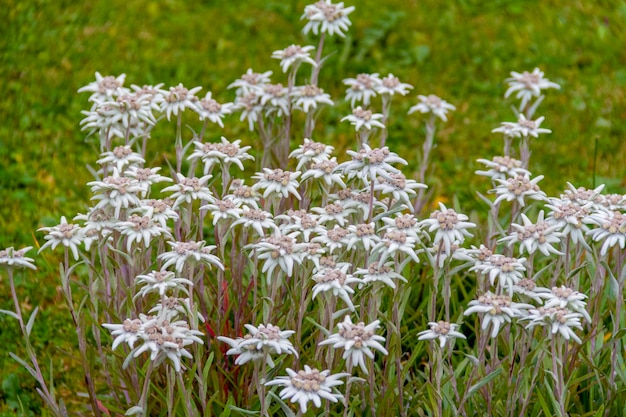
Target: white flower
x=161, y=282
x=173, y=307
x=558, y=320
x=530, y=127
x=357, y=340
x=251, y=82
x=391, y=85
x=570, y=218
x=11, y=258
x=190, y=253
x=433, y=104
x=358, y=201
x=528, y=288
x=362, y=88
x=300, y=221
x=275, y=100
x=508, y=271
x=164, y=339
x=127, y=110
x=160, y=211
x=497, y=310
x=333, y=213
x=210, y=109
x=262, y=342
x=326, y=17
x=533, y=237
x=362, y=235
x=68, y=235
x=311, y=152
x=395, y=241
x=257, y=219
x=243, y=195
x=583, y=196
x=612, y=229
x=379, y=272
x=225, y=153
x=528, y=85
x=369, y=163
x=188, y=189
x=116, y=192
x=518, y=188
x=105, y=88
x=309, y=385
x=224, y=210
x=406, y=223
x=250, y=106
x=441, y=330
x=177, y=99
x=361, y=118
x=333, y=239
x=337, y=281
x=141, y=228
x=399, y=187
x=145, y=177
x=564, y=297
x=450, y=226
x=294, y=55
x=508, y=129
x=325, y=170
x=279, y=250
x=501, y=167
x=308, y=97
x=277, y=181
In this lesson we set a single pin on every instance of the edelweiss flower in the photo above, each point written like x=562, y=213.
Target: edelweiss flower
x=105, y=88
x=164, y=339
x=68, y=235
x=210, y=109
x=433, y=104
x=379, y=272
x=361, y=118
x=141, y=228
x=497, y=310
x=294, y=55
x=362, y=88
x=399, y=187
x=243, y=195
x=189, y=253
x=362, y=235
x=275, y=100
x=517, y=188
x=528, y=85
x=309, y=385
x=533, y=237
x=570, y=218
x=501, y=167
x=224, y=210
x=326, y=17
x=357, y=340
x=11, y=258
x=279, y=250
x=251, y=82
x=161, y=282
x=391, y=85
x=530, y=127
x=225, y=153
x=277, y=181
x=335, y=280
x=450, y=226
x=188, y=189
x=612, y=229
x=333, y=239
x=257, y=219
x=308, y=97
x=116, y=192
x=145, y=177
x=311, y=152
x=406, y=223
x=583, y=196
x=509, y=271
x=558, y=319
x=250, y=106
x=262, y=342
x=564, y=297
x=326, y=170
x=177, y=99
x=300, y=221
x=395, y=241
x=369, y=163
x=441, y=330
x=159, y=210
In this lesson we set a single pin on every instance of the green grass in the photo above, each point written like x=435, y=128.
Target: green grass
x=461, y=51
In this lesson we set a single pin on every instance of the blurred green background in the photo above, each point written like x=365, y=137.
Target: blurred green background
x=460, y=50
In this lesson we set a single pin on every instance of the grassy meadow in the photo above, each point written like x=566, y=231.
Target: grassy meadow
x=460, y=50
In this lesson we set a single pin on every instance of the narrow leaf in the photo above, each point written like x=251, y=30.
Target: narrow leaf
x=484, y=381
x=31, y=321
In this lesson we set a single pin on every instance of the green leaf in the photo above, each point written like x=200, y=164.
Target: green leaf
x=31, y=321
x=10, y=313
x=484, y=381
